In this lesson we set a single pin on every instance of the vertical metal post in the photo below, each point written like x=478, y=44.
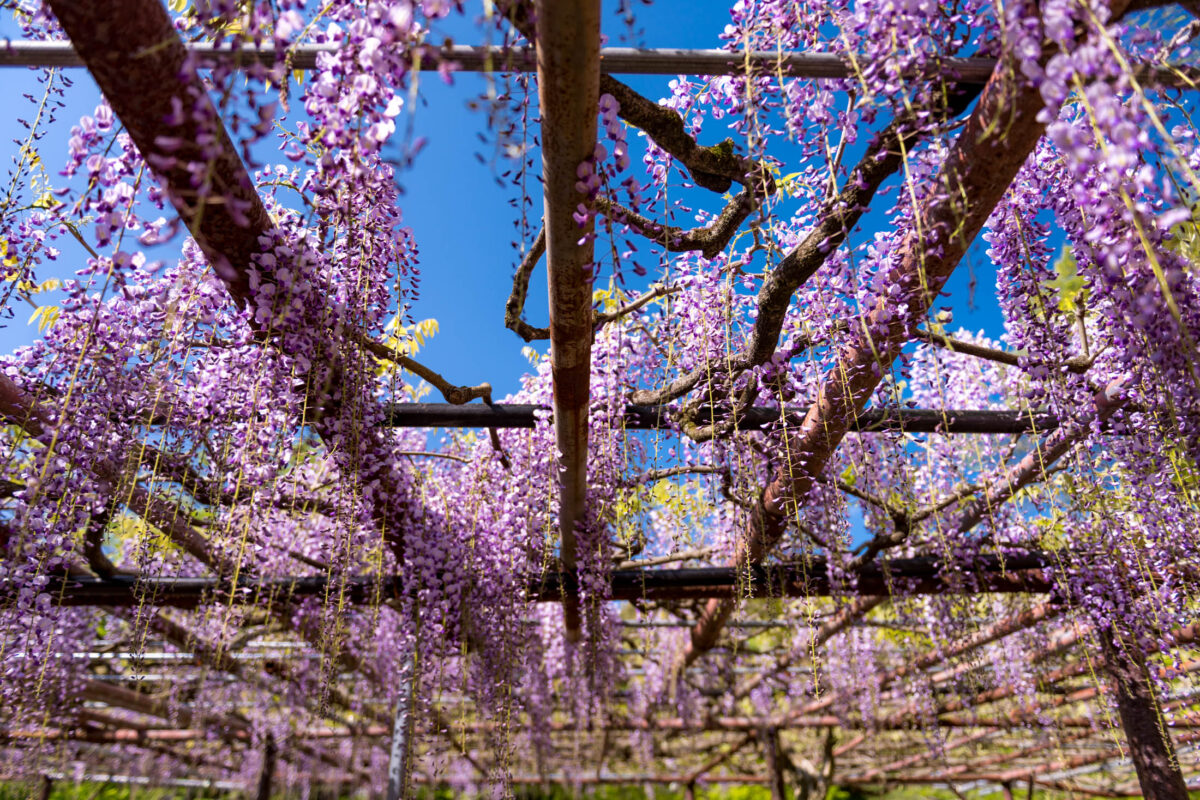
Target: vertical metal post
x=400, y=762
x=769, y=737
x=1150, y=745
x=267, y=774
x=568, y=59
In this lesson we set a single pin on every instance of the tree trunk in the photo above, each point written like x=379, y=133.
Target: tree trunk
x=769, y=737
x=267, y=774
x=1150, y=745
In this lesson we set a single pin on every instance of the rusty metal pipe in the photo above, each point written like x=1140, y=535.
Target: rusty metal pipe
x=568, y=63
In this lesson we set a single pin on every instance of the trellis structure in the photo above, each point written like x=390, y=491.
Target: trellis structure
x=140, y=63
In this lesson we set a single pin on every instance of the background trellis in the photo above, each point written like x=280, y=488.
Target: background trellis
x=136, y=57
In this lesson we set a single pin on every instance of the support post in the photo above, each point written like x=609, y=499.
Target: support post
x=267, y=774
x=400, y=762
x=1150, y=745
x=769, y=737
x=568, y=58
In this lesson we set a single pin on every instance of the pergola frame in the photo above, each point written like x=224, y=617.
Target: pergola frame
x=136, y=64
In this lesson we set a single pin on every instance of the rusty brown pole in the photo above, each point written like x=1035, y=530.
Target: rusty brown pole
x=266, y=774
x=1150, y=745
x=769, y=737
x=568, y=60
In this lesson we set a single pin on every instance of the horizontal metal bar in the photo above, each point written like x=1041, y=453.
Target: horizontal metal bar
x=744, y=624
x=911, y=420
x=613, y=60
x=471, y=58
x=900, y=576
x=143, y=780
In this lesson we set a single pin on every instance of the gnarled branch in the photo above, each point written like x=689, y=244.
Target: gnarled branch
x=709, y=240
x=455, y=395
x=515, y=306
x=715, y=168
x=655, y=292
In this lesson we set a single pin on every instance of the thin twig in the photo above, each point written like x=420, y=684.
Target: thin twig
x=923, y=513
x=425, y=454
x=938, y=339
x=1076, y=364
x=498, y=447
x=684, y=555
x=659, y=474
x=655, y=292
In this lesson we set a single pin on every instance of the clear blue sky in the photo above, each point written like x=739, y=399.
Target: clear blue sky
x=462, y=218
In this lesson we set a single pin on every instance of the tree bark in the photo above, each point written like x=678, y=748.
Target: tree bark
x=995, y=142
x=1150, y=744
x=769, y=737
x=143, y=85
x=267, y=774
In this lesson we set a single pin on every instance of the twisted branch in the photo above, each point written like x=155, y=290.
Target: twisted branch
x=710, y=240
x=455, y=395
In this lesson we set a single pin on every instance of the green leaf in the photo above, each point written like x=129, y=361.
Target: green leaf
x=1069, y=285
x=849, y=476
x=46, y=316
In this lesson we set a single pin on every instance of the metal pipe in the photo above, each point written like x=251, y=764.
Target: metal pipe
x=469, y=58
x=637, y=417
x=613, y=61
x=919, y=575
x=400, y=758
x=568, y=68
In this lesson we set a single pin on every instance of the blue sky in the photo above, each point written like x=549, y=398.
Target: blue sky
x=461, y=216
